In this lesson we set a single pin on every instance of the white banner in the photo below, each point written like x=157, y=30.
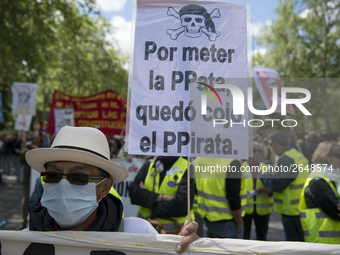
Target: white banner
x=63, y=117
x=23, y=98
x=23, y=122
x=183, y=53
x=110, y=243
x=122, y=188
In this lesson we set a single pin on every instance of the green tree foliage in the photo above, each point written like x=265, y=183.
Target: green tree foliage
x=304, y=43
x=60, y=44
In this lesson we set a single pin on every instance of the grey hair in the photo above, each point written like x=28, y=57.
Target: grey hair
x=281, y=137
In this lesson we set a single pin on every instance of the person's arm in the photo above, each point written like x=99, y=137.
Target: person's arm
x=264, y=190
x=324, y=197
x=237, y=214
x=17, y=147
x=281, y=179
x=138, y=195
x=233, y=187
x=176, y=207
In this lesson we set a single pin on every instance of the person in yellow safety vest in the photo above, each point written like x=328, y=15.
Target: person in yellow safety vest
x=160, y=190
x=260, y=200
x=290, y=175
x=319, y=216
x=221, y=196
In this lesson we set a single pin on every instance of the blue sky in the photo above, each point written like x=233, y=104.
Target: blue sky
x=119, y=12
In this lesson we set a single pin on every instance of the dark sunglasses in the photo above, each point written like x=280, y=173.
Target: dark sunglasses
x=73, y=178
x=259, y=151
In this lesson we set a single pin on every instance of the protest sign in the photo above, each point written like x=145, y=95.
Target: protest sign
x=112, y=243
x=266, y=79
x=122, y=188
x=23, y=122
x=63, y=117
x=23, y=98
x=105, y=111
x=183, y=52
x=34, y=175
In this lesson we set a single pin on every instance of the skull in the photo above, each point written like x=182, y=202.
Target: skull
x=193, y=24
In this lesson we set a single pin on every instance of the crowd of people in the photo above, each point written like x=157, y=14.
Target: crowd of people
x=302, y=185
x=284, y=174
x=300, y=179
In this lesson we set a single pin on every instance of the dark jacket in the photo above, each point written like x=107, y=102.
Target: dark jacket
x=233, y=186
x=109, y=216
x=174, y=208
x=319, y=194
x=281, y=179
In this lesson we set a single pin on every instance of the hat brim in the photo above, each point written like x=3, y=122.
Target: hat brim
x=37, y=158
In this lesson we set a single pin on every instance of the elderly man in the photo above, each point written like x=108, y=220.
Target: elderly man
x=78, y=175
x=290, y=175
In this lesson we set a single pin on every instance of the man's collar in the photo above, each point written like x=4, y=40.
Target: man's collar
x=57, y=228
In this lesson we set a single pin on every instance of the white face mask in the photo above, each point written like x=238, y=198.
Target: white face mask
x=68, y=204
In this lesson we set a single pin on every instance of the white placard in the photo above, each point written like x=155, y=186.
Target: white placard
x=184, y=50
x=122, y=188
x=33, y=180
x=23, y=98
x=23, y=122
x=63, y=117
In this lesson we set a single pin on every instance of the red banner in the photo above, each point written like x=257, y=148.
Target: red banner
x=105, y=111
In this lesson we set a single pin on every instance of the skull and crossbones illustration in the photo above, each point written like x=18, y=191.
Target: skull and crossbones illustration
x=195, y=20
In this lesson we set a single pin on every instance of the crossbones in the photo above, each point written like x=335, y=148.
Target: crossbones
x=193, y=24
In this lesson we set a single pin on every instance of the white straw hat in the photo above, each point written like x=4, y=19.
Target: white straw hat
x=78, y=144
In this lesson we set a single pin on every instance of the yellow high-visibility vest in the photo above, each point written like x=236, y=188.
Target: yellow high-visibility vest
x=211, y=192
x=287, y=201
x=317, y=226
x=195, y=205
x=264, y=203
x=152, y=183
